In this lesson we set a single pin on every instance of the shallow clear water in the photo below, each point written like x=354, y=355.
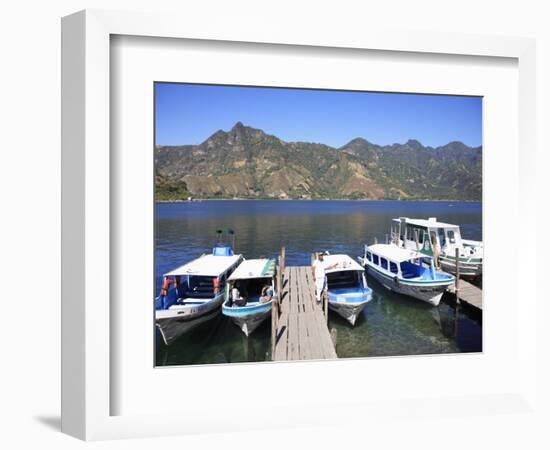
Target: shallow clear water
x=390, y=325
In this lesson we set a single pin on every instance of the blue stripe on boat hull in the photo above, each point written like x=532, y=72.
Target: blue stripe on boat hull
x=430, y=292
x=349, y=303
x=248, y=317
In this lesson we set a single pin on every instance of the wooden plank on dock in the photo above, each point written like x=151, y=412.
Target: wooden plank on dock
x=303, y=318
x=470, y=294
x=302, y=332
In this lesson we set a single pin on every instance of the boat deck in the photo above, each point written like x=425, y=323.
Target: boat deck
x=469, y=294
x=301, y=326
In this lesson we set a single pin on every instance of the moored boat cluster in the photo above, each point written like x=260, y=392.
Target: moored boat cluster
x=418, y=261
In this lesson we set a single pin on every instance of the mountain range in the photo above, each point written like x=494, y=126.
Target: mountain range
x=246, y=162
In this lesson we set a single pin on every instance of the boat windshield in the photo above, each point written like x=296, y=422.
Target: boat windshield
x=343, y=280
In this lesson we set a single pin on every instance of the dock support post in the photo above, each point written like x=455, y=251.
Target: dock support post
x=325, y=305
x=436, y=253
x=275, y=305
x=457, y=271
x=274, y=318
x=334, y=336
x=457, y=283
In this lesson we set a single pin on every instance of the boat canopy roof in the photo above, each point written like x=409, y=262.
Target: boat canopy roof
x=206, y=265
x=345, y=263
x=395, y=253
x=254, y=268
x=431, y=222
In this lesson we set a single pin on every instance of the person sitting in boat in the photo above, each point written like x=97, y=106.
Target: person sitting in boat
x=318, y=268
x=238, y=295
x=266, y=294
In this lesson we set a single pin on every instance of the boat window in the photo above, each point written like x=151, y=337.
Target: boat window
x=251, y=289
x=442, y=238
x=369, y=256
x=384, y=262
x=393, y=267
x=342, y=280
x=375, y=259
x=451, y=235
x=412, y=232
x=199, y=285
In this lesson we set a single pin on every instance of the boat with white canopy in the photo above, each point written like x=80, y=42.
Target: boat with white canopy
x=440, y=240
x=193, y=293
x=406, y=271
x=249, y=294
x=347, y=289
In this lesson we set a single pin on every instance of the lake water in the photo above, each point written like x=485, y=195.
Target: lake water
x=390, y=325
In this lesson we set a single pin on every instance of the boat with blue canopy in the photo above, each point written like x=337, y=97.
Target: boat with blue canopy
x=249, y=294
x=346, y=286
x=193, y=293
x=406, y=272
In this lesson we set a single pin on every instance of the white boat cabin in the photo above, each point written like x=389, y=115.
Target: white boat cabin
x=426, y=236
x=347, y=273
x=394, y=261
x=199, y=280
x=250, y=277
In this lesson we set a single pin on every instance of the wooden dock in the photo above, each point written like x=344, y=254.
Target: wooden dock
x=300, y=324
x=469, y=294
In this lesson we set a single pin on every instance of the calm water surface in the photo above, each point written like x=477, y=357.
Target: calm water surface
x=390, y=325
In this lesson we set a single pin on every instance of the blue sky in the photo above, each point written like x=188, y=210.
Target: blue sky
x=189, y=114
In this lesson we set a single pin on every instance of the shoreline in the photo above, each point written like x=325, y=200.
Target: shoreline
x=197, y=200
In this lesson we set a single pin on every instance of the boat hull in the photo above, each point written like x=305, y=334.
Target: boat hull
x=470, y=262
x=427, y=292
x=174, y=322
x=472, y=267
x=349, y=306
x=248, y=318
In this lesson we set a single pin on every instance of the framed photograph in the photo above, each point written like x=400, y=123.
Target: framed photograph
x=250, y=211
x=310, y=252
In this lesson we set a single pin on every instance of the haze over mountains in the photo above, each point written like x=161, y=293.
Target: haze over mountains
x=245, y=162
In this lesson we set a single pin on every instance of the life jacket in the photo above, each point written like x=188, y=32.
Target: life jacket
x=165, y=286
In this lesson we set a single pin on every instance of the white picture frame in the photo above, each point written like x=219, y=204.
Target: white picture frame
x=87, y=219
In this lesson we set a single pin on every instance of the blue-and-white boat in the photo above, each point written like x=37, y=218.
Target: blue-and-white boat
x=193, y=293
x=406, y=271
x=346, y=286
x=251, y=277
